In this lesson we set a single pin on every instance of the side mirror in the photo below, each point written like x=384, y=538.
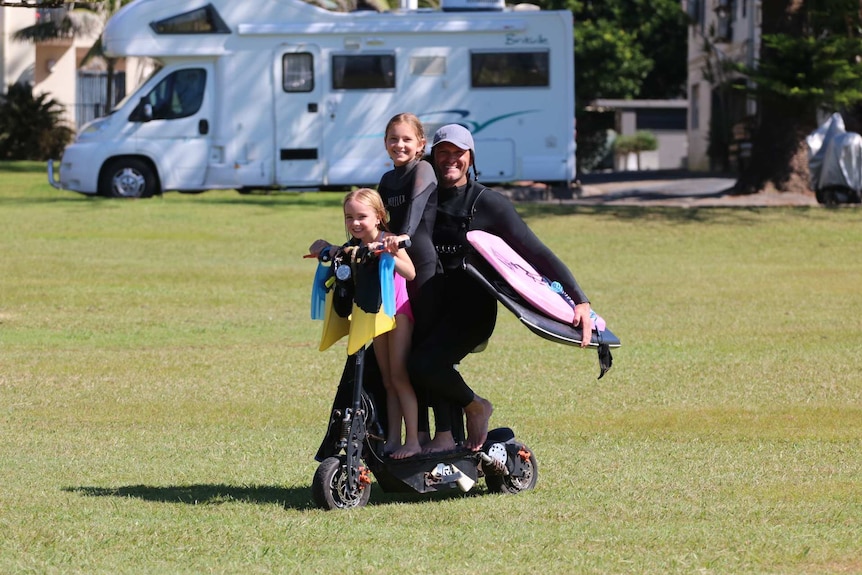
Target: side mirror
x=143, y=112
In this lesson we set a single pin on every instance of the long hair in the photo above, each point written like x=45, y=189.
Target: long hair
x=415, y=123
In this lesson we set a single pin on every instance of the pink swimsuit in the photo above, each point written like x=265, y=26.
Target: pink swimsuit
x=402, y=302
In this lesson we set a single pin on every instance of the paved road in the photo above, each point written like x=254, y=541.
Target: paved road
x=683, y=189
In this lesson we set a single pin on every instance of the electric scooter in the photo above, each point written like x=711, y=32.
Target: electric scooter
x=352, y=449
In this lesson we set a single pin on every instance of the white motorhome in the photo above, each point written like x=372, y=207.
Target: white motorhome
x=283, y=94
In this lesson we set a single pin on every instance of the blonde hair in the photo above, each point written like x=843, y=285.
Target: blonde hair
x=415, y=123
x=372, y=199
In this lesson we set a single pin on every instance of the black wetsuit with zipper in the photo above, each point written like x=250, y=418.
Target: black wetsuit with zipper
x=468, y=315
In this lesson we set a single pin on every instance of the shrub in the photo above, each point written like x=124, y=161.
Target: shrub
x=640, y=141
x=31, y=127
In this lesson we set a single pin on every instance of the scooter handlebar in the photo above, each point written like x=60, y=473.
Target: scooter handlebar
x=326, y=254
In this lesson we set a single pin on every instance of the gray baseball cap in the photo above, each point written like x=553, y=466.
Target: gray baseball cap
x=454, y=134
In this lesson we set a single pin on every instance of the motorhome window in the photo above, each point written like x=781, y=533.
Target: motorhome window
x=363, y=71
x=509, y=69
x=204, y=20
x=428, y=65
x=179, y=95
x=297, y=72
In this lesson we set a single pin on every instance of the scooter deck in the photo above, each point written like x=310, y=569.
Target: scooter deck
x=430, y=472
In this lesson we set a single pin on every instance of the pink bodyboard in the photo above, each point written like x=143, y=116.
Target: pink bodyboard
x=521, y=276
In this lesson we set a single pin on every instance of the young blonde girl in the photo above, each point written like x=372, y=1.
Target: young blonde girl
x=409, y=191
x=365, y=220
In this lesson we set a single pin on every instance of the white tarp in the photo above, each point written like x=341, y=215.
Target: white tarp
x=835, y=156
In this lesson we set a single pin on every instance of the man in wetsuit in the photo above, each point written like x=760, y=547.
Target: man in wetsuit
x=468, y=313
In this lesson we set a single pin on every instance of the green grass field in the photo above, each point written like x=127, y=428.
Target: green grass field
x=162, y=396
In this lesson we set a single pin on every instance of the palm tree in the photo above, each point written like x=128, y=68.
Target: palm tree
x=73, y=20
x=33, y=3
x=64, y=22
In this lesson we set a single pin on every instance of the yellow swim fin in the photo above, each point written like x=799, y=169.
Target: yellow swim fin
x=366, y=326
x=334, y=326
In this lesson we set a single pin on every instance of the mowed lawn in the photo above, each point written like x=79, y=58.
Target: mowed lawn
x=162, y=396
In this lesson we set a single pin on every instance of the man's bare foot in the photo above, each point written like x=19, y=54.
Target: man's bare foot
x=478, y=413
x=443, y=441
x=406, y=450
x=424, y=438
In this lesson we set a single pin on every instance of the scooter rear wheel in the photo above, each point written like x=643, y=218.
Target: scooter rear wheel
x=511, y=484
x=330, y=490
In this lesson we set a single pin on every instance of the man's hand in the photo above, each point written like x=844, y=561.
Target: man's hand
x=584, y=321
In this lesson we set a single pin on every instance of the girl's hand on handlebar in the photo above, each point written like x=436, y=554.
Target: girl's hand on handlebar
x=316, y=247
x=391, y=243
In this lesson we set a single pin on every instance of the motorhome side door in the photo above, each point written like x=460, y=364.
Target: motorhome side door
x=298, y=116
x=175, y=124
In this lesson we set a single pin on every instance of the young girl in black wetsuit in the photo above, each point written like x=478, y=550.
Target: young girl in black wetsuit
x=409, y=191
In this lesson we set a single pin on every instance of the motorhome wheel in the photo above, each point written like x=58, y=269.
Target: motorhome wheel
x=128, y=178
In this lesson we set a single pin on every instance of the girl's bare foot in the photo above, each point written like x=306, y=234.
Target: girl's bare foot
x=443, y=441
x=406, y=450
x=478, y=413
x=424, y=438
x=390, y=448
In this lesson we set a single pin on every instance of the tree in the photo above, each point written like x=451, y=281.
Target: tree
x=624, y=49
x=35, y=3
x=809, y=62
x=69, y=21
x=31, y=127
x=627, y=48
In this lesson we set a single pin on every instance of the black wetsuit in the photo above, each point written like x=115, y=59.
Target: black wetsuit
x=469, y=313
x=410, y=195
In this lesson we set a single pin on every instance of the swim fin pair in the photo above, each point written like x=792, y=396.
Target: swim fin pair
x=373, y=311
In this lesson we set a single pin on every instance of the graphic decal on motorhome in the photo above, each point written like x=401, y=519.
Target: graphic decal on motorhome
x=461, y=116
x=526, y=40
x=474, y=126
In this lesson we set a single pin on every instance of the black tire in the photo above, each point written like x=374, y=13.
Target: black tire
x=128, y=178
x=561, y=190
x=329, y=486
x=513, y=485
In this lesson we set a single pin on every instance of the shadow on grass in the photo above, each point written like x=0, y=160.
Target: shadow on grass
x=298, y=498
x=206, y=494
x=23, y=166
x=739, y=215
x=275, y=200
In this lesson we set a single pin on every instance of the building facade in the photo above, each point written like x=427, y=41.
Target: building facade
x=721, y=33
x=56, y=67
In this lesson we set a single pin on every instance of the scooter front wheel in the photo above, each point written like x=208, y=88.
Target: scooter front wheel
x=330, y=488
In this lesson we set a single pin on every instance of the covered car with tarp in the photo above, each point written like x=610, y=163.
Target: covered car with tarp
x=835, y=162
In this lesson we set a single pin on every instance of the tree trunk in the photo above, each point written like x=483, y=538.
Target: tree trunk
x=778, y=154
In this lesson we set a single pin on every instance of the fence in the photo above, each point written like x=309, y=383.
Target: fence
x=92, y=100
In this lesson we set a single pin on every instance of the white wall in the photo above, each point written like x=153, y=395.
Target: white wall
x=16, y=58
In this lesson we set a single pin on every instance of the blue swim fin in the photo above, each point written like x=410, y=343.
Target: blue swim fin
x=318, y=291
x=386, y=266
